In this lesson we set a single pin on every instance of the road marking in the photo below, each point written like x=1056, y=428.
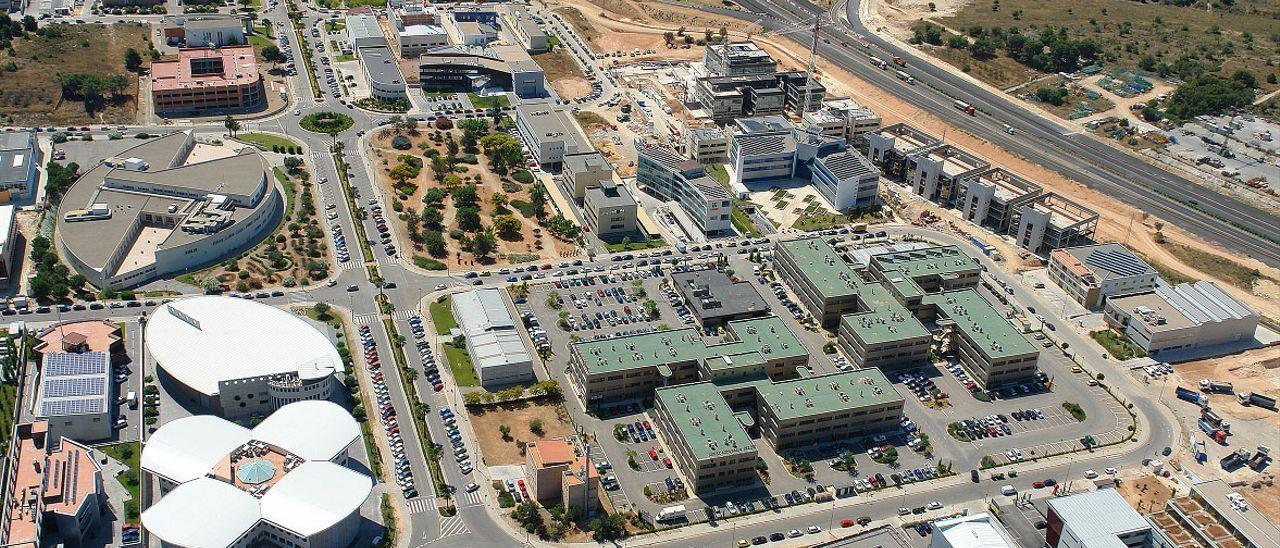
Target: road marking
x=452, y=526
x=365, y=318
x=472, y=499
x=420, y=505
x=404, y=314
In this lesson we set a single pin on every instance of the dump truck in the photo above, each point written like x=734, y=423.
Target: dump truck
x=1219, y=435
x=965, y=107
x=1260, y=458
x=1216, y=387
x=1212, y=418
x=1191, y=396
x=1253, y=398
x=1234, y=460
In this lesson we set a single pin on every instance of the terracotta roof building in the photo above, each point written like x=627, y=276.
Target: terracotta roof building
x=558, y=471
x=80, y=336
x=54, y=495
x=205, y=79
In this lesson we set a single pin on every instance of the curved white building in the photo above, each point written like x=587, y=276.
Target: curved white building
x=283, y=483
x=239, y=358
x=154, y=210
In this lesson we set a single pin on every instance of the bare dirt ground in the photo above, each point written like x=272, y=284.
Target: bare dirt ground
x=1145, y=492
x=486, y=421
x=564, y=73
x=531, y=240
x=1264, y=495
x=644, y=27
x=1255, y=371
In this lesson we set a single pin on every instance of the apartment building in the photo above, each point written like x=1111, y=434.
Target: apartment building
x=1052, y=222
x=990, y=197
x=1092, y=273
x=987, y=345
x=708, y=145
x=561, y=472
x=670, y=177
x=1181, y=317
x=610, y=211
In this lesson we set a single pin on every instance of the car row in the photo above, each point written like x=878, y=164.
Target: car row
x=460, y=454
x=384, y=232
x=428, y=360
x=387, y=412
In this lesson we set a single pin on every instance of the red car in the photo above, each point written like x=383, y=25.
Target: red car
x=646, y=425
x=1038, y=484
x=846, y=523
x=666, y=461
x=653, y=454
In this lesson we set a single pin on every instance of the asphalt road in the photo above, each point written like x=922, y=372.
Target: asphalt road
x=1216, y=217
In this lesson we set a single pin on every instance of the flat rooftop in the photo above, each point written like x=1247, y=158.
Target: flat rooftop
x=1249, y=522
x=990, y=332
x=705, y=421
x=1009, y=186
x=1106, y=261
x=712, y=294
x=944, y=261
x=766, y=338
x=381, y=65
x=17, y=157
x=609, y=194
x=811, y=396
x=908, y=139
x=956, y=162
x=549, y=122
x=819, y=263
x=204, y=68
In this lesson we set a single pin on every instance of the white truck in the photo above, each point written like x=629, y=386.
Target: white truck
x=905, y=77
x=671, y=512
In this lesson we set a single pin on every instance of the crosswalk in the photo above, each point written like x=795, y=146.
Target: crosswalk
x=404, y=314
x=469, y=498
x=420, y=505
x=388, y=260
x=452, y=526
x=365, y=318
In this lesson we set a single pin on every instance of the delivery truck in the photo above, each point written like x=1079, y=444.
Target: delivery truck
x=1191, y=396
x=671, y=512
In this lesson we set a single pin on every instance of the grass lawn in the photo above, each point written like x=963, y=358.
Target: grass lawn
x=632, y=246
x=128, y=453
x=743, y=223
x=491, y=101
x=821, y=221
x=1170, y=275
x=287, y=183
x=1227, y=270
x=266, y=141
x=8, y=397
x=464, y=372
x=442, y=317
x=345, y=57
x=1118, y=345
x=717, y=172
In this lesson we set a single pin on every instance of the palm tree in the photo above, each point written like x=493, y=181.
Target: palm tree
x=231, y=124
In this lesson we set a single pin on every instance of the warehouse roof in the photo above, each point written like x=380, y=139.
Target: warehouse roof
x=1097, y=518
x=490, y=330
x=974, y=531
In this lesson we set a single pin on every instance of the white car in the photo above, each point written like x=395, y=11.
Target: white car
x=794, y=533
x=935, y=505
x=440, y=287
x=472, y=487
x=1110, y=471
x=1090, y=474
x=814, y=529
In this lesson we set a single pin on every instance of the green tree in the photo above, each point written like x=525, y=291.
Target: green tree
x=468, y=219
x=402, y=173
x=507, y=226
x=484, y=243
x=231, y=124
x=272, y=54
x=538, y=201
x=432, y=218
x=440, y=167
x=435, y=243
x=133, y=61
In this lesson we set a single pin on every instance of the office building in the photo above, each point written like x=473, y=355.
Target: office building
x=610, y=211
x=382, y=72
x=550, y=132
x=1098, y=519
x=1090, y=274
x=670, y=177
x=364, y=31
x=725, y=98
x=935, y=174
x=738, y=59
x=54, y=493
x=411, y=14
x=149, y=212
x=708, y=145
x=763, y=149
x=477, y=69
x=469, y=32
x=892, y=146
x=705, y=436
x=911, y=274
x=824, y=284
x=846, y=179
x=20, y=161
x=715, y=299
x=562, y=472
x=75, y=396
x=990, y=348
x=1052, y=222
x=527, y=32
x=769, y=148
x=971, y=531
x=990, y=197
x=1213, y=514
x=497, y=350
x=206, y=81
x=843, y=118
x=206, y=30
x=585, y=170
x=414, y=40
x=8, y=235
x=238, y=358
x=80, y=336
x=285, y=482
x=1181, y=317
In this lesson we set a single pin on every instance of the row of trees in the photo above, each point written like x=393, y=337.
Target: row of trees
x=1048, y=50
x=93, y=89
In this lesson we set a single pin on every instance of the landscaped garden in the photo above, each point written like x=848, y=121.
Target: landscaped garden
x=330, y=123
x=462, y=197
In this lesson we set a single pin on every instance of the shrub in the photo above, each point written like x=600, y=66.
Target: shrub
x=522, y=176
x=400, y=142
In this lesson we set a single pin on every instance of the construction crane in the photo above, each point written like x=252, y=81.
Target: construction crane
x=816, y=29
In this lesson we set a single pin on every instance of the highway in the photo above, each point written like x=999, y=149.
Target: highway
x=1216, y=217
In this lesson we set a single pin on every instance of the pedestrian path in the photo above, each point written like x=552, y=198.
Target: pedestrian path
x=469, y=499
x=421, y=505
x=365, y=318
x=388, y=260
x=403, y=314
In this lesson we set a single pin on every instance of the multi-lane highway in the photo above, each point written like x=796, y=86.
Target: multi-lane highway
x=1216, y=217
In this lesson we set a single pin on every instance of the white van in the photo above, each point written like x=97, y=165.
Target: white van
x=1008, y=490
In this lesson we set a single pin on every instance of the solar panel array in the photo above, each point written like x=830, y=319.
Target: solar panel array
x=71, y=387
x=62, y=408
x=1121, y=263
x=68, y=365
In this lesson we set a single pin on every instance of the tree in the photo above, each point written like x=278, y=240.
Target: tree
x=484, y=243
x=273, y=54
x=535, y=426
x=499, y=200
x=231, y=124
x=321, y=310
x=669, y=37
x=451, y=147
x=133, y=61
x=402, y=173
x=505, y=431
x=538, y=201
x=608, y=527
x=507, y=226
x=29, y=23
x=433, y=218
x=468, y=219
x=466, y=196
x=434, y=242
x=439, y=167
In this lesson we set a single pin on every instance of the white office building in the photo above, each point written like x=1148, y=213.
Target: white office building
x=1098, y=519
x=493, y=338
x=75, y=395
x=550, y=132
x=972, y=531
x=1181, y=317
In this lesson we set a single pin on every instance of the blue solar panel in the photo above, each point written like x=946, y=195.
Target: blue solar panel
x=62, y=408
x=62, y=388
x=67, y=365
